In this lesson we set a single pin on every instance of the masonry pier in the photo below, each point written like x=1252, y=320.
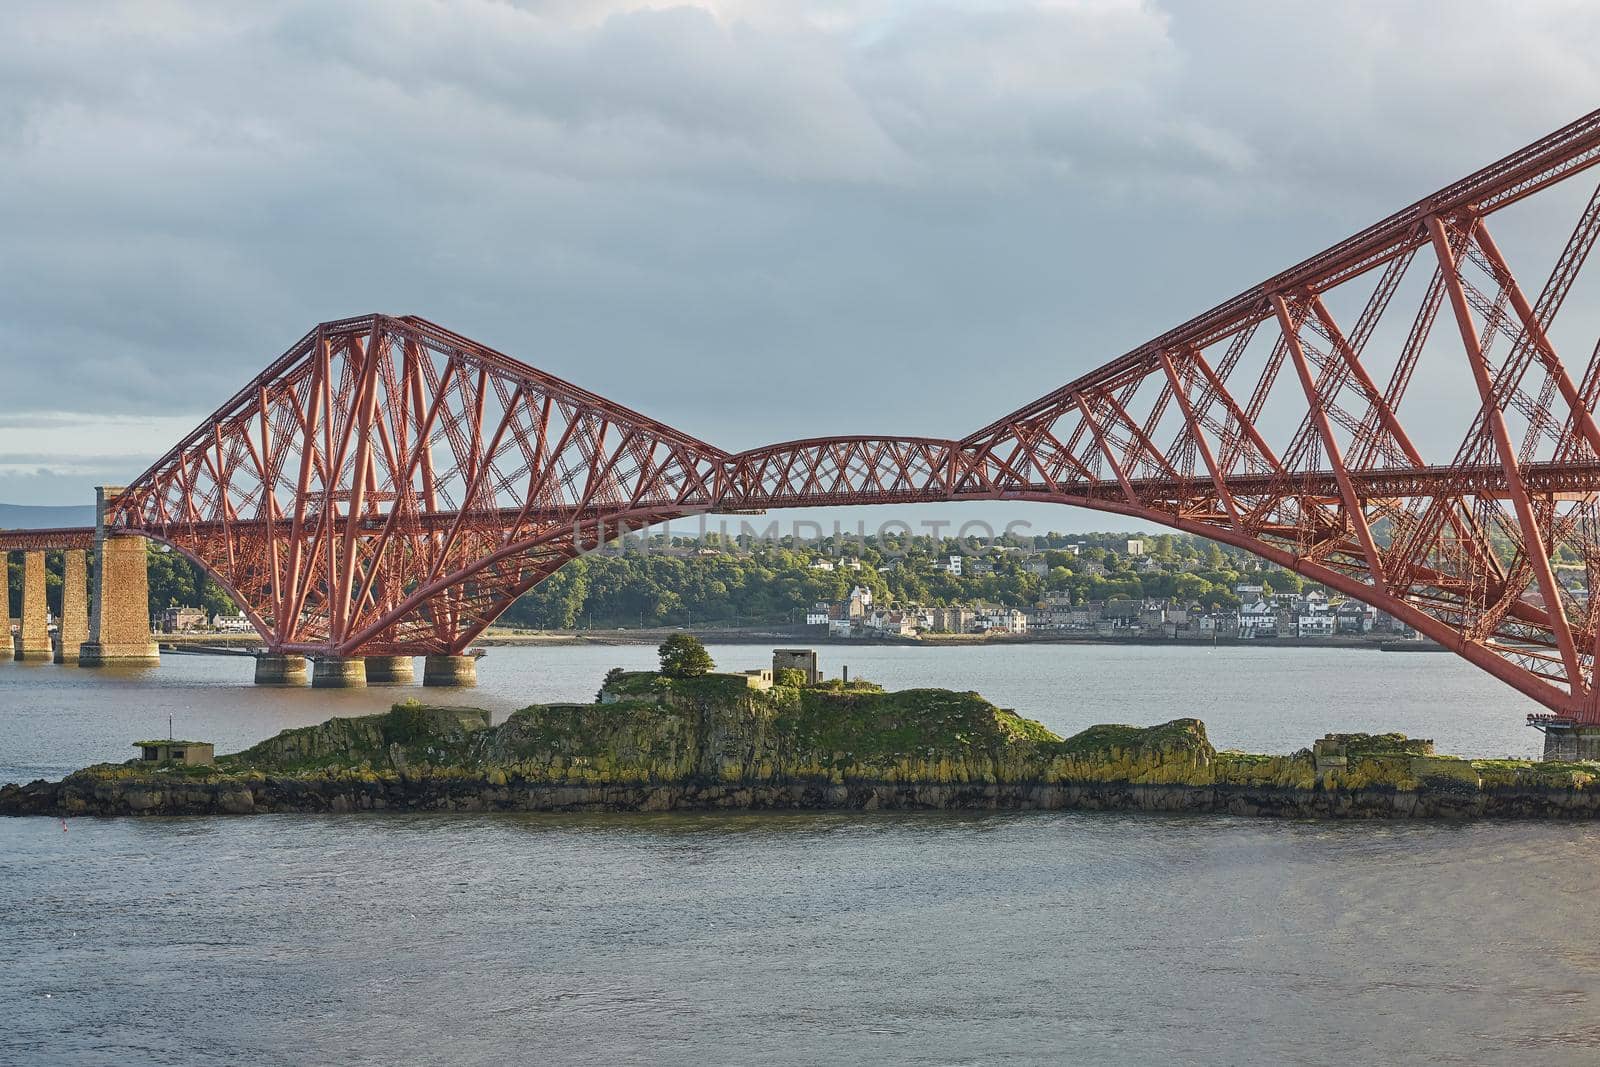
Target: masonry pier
x=445, y=671
x=390, y=670
x=119, y=602
x=282, y=669
x=72, y=629
x=33, y=630
x=9, y=647
x=339, y=672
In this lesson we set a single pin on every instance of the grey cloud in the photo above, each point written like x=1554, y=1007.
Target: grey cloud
x=753, y=220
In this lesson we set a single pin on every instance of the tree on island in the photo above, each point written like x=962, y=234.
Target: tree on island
x=613, y=676
x=790, y=676
x=683, y=656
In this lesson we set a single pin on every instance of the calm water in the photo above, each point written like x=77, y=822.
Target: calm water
x=1032, y=938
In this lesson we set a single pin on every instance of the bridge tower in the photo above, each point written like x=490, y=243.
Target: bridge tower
x=119, y=604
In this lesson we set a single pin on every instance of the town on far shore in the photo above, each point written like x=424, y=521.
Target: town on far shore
x=1261, y=611
x=1055, y=586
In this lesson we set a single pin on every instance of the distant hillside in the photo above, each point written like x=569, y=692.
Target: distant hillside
x=37, y=517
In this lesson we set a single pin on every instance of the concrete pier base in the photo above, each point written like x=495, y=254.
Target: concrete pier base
x=444, y=671
x=282, y=670
x=338, y=672
x=73, y=626
x=33, y=634
x=391, y=670
x=1568, y=742
x=119, y=605
x=95, y=654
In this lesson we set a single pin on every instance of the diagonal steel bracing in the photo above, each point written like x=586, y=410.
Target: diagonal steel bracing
x=388, y=486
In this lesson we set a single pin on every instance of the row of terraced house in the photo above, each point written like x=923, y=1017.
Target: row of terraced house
x=1260, y=615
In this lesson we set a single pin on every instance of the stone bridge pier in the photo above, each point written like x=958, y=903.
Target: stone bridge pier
x=72, y=628
x=33, y=642
x=119, y=604
x=33, y=633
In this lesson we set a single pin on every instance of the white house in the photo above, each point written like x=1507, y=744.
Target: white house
x=1315, y=624
x=1257, y=619
x=1003, y=620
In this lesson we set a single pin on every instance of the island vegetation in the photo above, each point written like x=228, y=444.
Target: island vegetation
x=690, y=739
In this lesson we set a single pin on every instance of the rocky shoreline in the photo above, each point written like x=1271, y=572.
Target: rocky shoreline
x=652, y=743
x=332, y=797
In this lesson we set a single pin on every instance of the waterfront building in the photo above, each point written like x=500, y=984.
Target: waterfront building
x=177, y=620
x=1354, y=617
x=1120, y=616
x=952, y=619
x=1257, y=619
x=1002, y=620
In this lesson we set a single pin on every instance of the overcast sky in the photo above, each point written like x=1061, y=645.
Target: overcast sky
x=753, y=220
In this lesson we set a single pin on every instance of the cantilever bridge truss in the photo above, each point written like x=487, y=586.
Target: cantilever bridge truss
x=387, y=486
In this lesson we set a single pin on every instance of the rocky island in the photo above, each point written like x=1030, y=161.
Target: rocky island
x=652, y=742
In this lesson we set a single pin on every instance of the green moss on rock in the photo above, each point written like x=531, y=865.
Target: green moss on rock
x=655, y=743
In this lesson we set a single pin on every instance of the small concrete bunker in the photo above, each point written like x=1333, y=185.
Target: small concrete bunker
x=182, y=753
x=803, y=660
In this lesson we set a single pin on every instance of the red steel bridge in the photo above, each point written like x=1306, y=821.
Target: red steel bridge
x=389, y=487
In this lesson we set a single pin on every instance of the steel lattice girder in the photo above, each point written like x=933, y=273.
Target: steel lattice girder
x=387, y=486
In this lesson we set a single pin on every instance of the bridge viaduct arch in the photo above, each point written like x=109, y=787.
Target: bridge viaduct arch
x=387, y=487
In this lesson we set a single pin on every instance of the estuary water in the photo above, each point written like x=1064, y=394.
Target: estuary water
x=799, y=938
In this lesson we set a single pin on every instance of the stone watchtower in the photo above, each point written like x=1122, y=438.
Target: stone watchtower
x=119, y=604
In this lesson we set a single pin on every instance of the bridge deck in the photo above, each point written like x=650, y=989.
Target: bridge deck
x=46, y=540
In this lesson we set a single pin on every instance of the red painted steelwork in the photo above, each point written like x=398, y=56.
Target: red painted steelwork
x=387, y=486
x=47, y=540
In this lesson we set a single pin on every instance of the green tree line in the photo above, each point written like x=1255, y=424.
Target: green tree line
x=753, y=583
